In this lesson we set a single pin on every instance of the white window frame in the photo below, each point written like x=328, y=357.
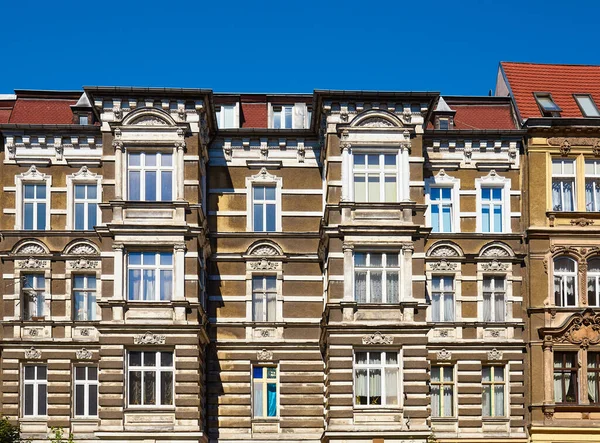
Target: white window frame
x=36, y=383
x=156, y=267
x=31, y=177
x=82, y=177
x=263, y=178
x=26, y=293
x=443, y=180
x=443, y=385
x=301, y=115
x=86, y=291
x=264, y=203
x=87, y=384
x=380, y=171
x=492, y=383
x=443, y=278
x=382, y=366
x=493, y=295
x=264, y=382
x=563, y=177
x=493, y=180
x=264, y=295
x=384, y=269
x=596, y=277
x=157, y=369
x=278, y=112
x=563, y=276
x=220, y=115
x=578, y=98
x=595, y=183
x=142, y=169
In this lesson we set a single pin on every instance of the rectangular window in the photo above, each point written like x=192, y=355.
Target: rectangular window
x=566, y=386
x=283, y=117
x=442, y=301
x=150, y=176
x=375, y=178
x=264, y=391
x=34, y=206
x=86, y=391
x=150, y=276
x=587, y=105
x=593, y=377
x=264, y=208
x=547, y=105
x=150, y=378
x=35, y=392
x=84, y=295
x=444, y=124
x=494, y=387
x=494, y=299
x=592, y=185
x=264, y=296
x=442, y=391
x=376, y=378
x=34, y=298
x=593, y=282
x=563, y=185
x=441, y=209
x=376, y=277
x=86, y=207
x=83, y=119
x=565, y=282
x=226, y=116
x=491, y=209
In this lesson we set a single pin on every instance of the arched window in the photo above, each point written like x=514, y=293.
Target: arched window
x=593, y=281
x=565, y=282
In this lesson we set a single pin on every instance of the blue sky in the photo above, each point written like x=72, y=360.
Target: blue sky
x=288, y=46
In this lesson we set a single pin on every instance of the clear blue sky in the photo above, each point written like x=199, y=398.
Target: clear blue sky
x=288, y=46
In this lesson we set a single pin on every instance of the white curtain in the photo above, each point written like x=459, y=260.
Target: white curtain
x=360, y=287
x=435, y=401
x=500, y=306
x=436, y=307
x=568, y=195
x=448, y=401
x=592, y=377
x=487, y=299
x=271, y=303
x=486, y=401
x=360, y=387
x=258, y=306
x=589, y=196
x=391, y=386
x=258, y=400
x=499, y=392
x=375, y=386
x=149, y=284
x=449, y=307
x=392, y=287
x=135, y=276
x=376, y=286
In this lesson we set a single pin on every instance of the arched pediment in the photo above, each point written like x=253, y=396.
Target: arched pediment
x=81, y=247
x=445, y=250
x=30, y=247
x=582, y=328
x=496, y=250
x=376, y=119
x=148, y=117
x=264, y=248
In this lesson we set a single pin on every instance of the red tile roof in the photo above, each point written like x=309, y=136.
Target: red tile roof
x=4, y=115
x=562, y=81
x=42, y=111
x=254, y=115
x=482, y=116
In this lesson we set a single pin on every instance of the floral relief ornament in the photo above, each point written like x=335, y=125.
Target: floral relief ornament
x=33, y=353
x=444, y=355
x=83, y=354
x=263, y=264
x=149, y=339
x=495, y=354
x=264, y=355
x=377, y=339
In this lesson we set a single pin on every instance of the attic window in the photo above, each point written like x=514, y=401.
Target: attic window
x=547, y=105
x=444, y=123
x=587, y=105
x=83, y=119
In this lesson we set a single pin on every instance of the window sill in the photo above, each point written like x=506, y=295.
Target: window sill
x=265, y=419
x=444, y=419
x=85, y=419
x=33, y=418
x=495, y=419
x=377, y=408
x=149, y=408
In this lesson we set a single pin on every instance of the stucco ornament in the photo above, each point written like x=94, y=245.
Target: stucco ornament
x=443, y=265
x=149, y=339
x=265, y=250
x=33, y=353
x=376, y=122
x=444, y=355
x=83, y=354
x=444, y=251
x=377, y=339
x=264, y=355
x=33, y=263
x=83, y=249
x=495, y=354
x=565, y=148
x=263, y=264
x=494, y=265
x=583, y=222
x=83, y=264
x=30, y=249
x=495, y=251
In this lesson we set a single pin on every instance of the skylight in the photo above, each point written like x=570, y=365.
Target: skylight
x=549, y=108
x=587, y=105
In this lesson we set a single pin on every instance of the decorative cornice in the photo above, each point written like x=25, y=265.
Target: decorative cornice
x=263, y=264
x=494, y=265
x=377, y=339
x=33, y=263
x=149, y=339
x=443, y=265
x=581, y=329
x=33, y=354
x=263, y=355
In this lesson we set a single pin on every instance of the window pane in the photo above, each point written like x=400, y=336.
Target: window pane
x=134, y=185
x=91, y=192
x=269, y=193
x=271, y=400
x=166, y=185
x=80, y=191
x=79, y=216
x=360, y=388
x=135, y=388
x=79, y=305
x=166, y=159
x=41, y=216
x=28, y=410
x=135, y=159
x=485, y=219
x=79, y=400
x=28, y=216
x=149, y=387
x=149, y=284
x=92, y=373
x=376, y=287
x=166, y=359
x=166, y=388
x=270, y=218
x=150, y=186
x=135, y=288
x=258, y=217
x=374, y=190
x=166, y=285
x=258, y=400
x=288, y=117
x=135, y=358
x=40, y=191
x=92, y=215
x=93, y=400
x=150, y=159
x=391, y=187
x=435, y=218
x=29, y=191
x=42, y=399
x=360, y=287
x=360, y=189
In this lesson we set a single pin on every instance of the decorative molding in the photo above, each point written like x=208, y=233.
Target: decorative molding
x=84, y=332
x=444, y=355
x=83, y=264
x=263, y=264
x=495, y=354
x=83, y=249
x=149, y=339
x=495, y=251
x=565, y=148
x=83, y=354
x=444, y=251
x=263, y=355
x=581, y=329
x=582, y=222
x=494, y=265
x=265, y=250
x=33, y=263
x=30, y=249
x=33, y=353
x=377, y=339
x=376, y=122
x=583, y=141
x=443, y=265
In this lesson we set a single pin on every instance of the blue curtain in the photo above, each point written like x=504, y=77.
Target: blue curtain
x=271, y=400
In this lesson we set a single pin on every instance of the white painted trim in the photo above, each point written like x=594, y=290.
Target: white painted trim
x=83, y=176
x=263, y=178
x=496, y=181
x=32, y=176
x=443, y=180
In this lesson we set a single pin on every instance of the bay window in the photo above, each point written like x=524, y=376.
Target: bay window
x=376, y=277
x=150, y=176
x=150, y=378
x=150, y=276
x=376, y=378
x=375, y=177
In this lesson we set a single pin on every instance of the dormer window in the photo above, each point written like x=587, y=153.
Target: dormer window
x=444, y=124
x=547, y=105
x=586, y=105
x=83, y=120
x=227, y=116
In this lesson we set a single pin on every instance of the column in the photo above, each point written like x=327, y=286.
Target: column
x=118, y=295
x=548, y=373
x=179, y=287
x=405, y=194
x=348, y=273
x=118, y=145
x=346, y=172
x=181, y=168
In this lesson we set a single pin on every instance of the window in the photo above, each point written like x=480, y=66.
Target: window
x=442, y=302
x=494, y=299
x=493, y=391
x=376, y=277
x=283, y=117
x=441, y=209
x=593, y=377
x=150, y=378
x=264, y=388
x=491, y=209
x=150, y=176
x=593, y=282
x=442, y=391
x=565, y=282
x=34, y=288
x=84, y=295
x=443, y=124
x=86, y=207
x=587, y=105
x=86, y=391
x=547, y=105
x=375, y=178
x=565, y=377
x=34, y=206
x=264, y=293
x=264, y=208
x=376, y=379
x=83, y=119
x=35, y=392
x=563, y=185
x=150, y=276
x=226, y=116
x=592, y=185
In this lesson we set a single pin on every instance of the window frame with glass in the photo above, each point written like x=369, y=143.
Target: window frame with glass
x=264, y=207
x=441, y=208
x=164, y=174
x=226, y=114
x=38, y=386
x=442, y=382
x=593, y=377
x=35, y=207
x=265, y=381
x=593, y=281
x=587, y=105
x=279, y=119
x=37, y=290
x=85, y=394
x=84, y=296
x=560, y=182
x=561, y=280
x=150, y=371
x=561, y=371
x=492, y=201
x=442, y=297
x=547, y=105
x=592, y=185
x=381, y=172
x=264, y=298
x=85, y=213
x=388, y=267
x=162, y=269
x=491, y=387
x=365, y=376
x=494, y=298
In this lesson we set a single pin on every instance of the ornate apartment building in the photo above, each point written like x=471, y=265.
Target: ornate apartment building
x=343, y=266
